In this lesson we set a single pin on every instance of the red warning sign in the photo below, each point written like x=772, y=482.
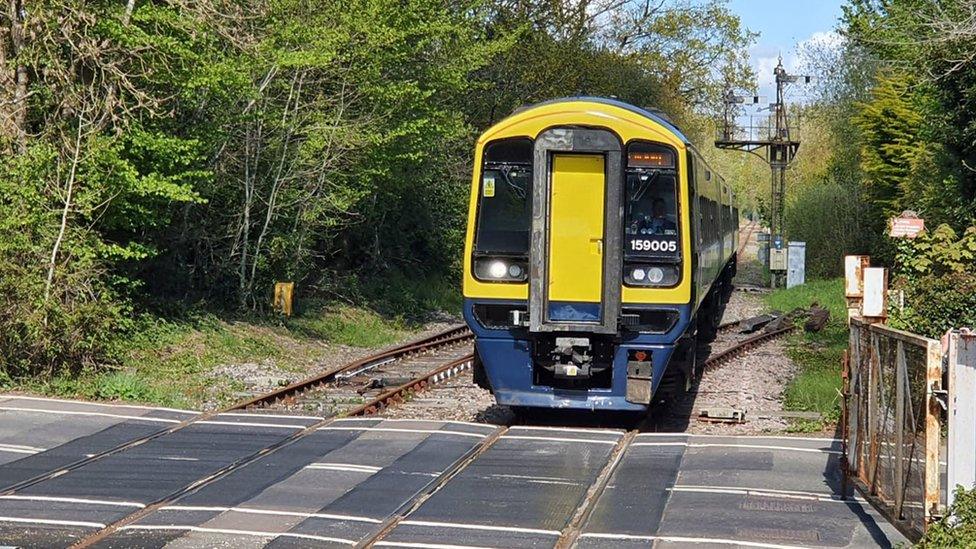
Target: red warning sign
x=907, y=225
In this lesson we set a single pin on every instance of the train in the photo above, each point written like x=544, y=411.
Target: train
x=600, y=249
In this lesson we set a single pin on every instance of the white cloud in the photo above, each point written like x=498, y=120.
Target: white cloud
x=765, y=57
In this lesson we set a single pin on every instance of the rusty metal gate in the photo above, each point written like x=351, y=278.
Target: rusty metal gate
x=894, y=422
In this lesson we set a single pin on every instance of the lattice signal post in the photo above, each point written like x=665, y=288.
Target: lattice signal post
x=771, y=140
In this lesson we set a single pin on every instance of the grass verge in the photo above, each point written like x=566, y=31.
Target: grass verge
x=817, y=385
x=199, y=361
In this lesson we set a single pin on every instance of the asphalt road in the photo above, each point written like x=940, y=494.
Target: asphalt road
x=407, y=483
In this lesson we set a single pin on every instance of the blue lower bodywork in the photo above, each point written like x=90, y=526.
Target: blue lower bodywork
x=507, y=358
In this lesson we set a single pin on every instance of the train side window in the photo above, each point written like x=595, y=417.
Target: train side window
x=504, y=216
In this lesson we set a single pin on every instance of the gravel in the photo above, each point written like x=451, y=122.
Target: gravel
x=252, y=379
x=753, y=383
x=457, y=399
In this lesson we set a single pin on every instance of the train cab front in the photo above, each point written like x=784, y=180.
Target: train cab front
x=575, y=285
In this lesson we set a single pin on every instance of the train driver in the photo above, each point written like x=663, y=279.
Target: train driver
x=659, y=223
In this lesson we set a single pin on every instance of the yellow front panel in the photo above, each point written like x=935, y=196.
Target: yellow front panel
x=576, y=228
x=626, y=124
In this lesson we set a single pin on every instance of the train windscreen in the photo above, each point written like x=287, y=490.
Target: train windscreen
x=651, y=205
x=505, y=198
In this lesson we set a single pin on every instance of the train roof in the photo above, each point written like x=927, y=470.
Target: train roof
x=659, y=118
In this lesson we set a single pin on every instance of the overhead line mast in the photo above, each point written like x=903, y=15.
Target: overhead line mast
x=774, y=138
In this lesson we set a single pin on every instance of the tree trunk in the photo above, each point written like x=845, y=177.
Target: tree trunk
x=65, y=213
x=130, y=6
x=15, y=120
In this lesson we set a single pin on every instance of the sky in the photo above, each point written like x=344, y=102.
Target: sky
x=782, y=24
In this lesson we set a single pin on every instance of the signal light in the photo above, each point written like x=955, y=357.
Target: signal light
x=641, y=356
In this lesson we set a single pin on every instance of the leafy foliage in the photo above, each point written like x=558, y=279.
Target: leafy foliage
x=891, y=147
x=957, y=528
x=827, y=242
x=160, y=154
x=894, y=114
x=937, y=272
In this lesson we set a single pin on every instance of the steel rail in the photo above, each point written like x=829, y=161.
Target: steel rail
x=745, y=241
x=458, y=334
x=447, y=337
x=388, y=398
x=727, y=326
x=401, y=393
x=569, y=537
x=745, y=345
x=435, y=485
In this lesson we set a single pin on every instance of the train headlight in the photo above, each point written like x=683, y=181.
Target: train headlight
x=652, y=275
x=500, y=269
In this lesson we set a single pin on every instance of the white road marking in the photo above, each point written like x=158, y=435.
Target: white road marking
x=53, y=522
x=485, y=527
x=247, y=424
x=566, y=429
x=228, y=531
x=280, y=416
x=81, y=413
x=744, y=446
x=102, y=404
x=762, y=492
x=18, y=449
x=428, y=545
x=257, y=511
x=22, y=447
x=344, y=467
x=557, y=439
x=399, y=430
x=442, y=421
x=557, y=482
x=683, y=539
x=529, y=477
x=740, y=437
x=85, y=501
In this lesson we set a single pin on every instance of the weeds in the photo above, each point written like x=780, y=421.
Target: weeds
x=816, y=386
x=957, y=528
x=348, y=326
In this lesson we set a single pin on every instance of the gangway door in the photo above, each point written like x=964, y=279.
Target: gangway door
x=576, y=238
x=576, y=232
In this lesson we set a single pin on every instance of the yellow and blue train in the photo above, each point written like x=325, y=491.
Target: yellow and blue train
x=599, y=246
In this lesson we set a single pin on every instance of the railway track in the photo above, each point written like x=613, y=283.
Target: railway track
x=436, y=347
x=368, y=385
x=743, y=346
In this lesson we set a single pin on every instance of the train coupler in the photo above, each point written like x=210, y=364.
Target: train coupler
x=573, y=358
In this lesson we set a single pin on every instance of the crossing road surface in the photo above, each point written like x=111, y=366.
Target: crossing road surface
x=406, y=483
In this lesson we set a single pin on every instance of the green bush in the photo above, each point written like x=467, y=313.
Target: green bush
x=936, y=303
x=958, y=527
x=827, y=217
x=937, y=273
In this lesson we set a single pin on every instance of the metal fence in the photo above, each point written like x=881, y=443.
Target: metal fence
x=894, y=423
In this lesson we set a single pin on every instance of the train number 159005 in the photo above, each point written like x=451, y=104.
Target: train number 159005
x=641, y=245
